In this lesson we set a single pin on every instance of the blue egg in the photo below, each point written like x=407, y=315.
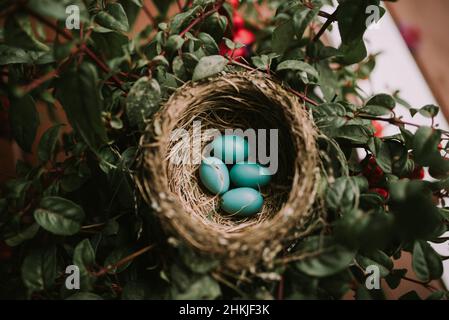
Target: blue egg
x=250, y=174
x=230, y=148
x=214, y=175
x=243, y=202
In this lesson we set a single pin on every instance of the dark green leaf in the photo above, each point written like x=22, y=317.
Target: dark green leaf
x=329, y=258
x=59, y=216
x=19, y=33
x=376, y=258
x=39, y=269
x=114, y=18
x=24, y=121
x=23, y=235
x=47, y=145
x=426, y=262
x=84, y=259
x=282, y=37
x=78, y=92
x=297, y=65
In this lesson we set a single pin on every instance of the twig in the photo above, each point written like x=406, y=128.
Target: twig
x=149, y=15
x=123, y=261
x=68, y=36
x=326, y=25
x=202, y=17
x=424, y=284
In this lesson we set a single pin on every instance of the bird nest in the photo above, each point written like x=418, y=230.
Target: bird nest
x=168, y=175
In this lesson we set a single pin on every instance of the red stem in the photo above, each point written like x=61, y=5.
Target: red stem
x=68, y=36
x=203, y=16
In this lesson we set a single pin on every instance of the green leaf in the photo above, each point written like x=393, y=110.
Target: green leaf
x=59, y=216
x=79, y=94
x=19, y=33
x=342, y=194
x=39, y=269
x=297, y=65
x=429, y=111
x=357, y=134
x=24, y=120
x=381, y=151
x=282, y=37
x=302, y=18
x=425, y=146
x=411, y=295
x=142, y=101
x=13, y=55
x=426, y=262
x=203, y=287
x=353, y=52
x=84, y=259
x=330, y=258
x=376, y=258
x=47, y=145
x=174, y=43
x=23, y=235
x=395, y=277
x=209, y=66
x=330, y=116
x=209, y=43
x=113, y=18
x=382, y=100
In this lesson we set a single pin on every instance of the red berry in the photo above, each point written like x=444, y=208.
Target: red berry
x=381, y=192
x=417, y=174
x=239, y=22
x=234, y=3
x=373, y=172
x=244, y=36
x=5, y=251
x=378, y=128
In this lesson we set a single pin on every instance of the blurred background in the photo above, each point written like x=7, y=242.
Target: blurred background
x=413, y=45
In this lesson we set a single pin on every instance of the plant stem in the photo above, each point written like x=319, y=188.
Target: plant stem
x=149, y=15
x=202, y=17
x=326, y=25
x=424, y=284
x=123, y=261
x=68, y=36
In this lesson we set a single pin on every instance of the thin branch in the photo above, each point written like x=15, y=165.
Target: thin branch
x=326, y=25
x=39, y=81
x=202, y=17
x=68, y=36
x=424, y=284
x=149, y=15
x=123, y=261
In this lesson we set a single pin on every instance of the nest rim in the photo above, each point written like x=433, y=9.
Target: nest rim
x=244, y=244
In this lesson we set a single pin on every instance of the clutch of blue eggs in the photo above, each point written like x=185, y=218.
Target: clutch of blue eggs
x=238, y=186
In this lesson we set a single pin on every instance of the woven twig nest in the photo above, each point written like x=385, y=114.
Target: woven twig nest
x=235, y=100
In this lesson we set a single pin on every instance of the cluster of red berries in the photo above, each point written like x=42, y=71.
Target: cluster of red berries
x=239, y=35
x=375, y=176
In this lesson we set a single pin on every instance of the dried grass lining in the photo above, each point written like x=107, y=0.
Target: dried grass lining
x=235, y=100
